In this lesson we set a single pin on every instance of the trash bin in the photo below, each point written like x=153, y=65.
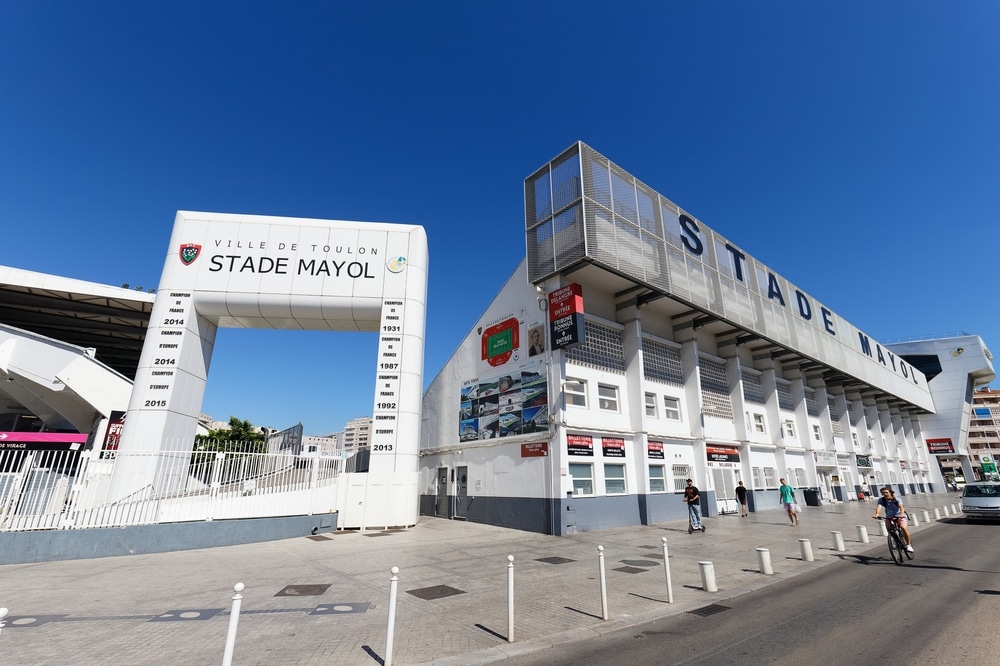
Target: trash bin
x=811, y=496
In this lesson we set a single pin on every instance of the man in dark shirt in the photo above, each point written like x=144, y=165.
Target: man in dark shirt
x=693, y=499
x=741, y=496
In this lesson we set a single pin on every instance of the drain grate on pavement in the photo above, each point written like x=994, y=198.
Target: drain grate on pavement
x=187, y=615
x=302, y=590
x=705, y=611
x=435, y=592
x=554, y=560
x=640, y=563
x=630, y=570
x=318, y=537
x=342, y=608
x=375, y=534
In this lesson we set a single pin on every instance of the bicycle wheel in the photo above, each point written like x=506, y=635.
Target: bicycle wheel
x=896, y=548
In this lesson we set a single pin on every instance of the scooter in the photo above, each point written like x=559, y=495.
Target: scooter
x=691, y=527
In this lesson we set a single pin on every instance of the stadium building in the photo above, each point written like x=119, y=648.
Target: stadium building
x=634, y=348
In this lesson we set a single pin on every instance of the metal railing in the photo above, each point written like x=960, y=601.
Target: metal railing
x=74, y=489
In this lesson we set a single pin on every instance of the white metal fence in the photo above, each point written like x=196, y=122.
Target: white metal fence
x=70, y=489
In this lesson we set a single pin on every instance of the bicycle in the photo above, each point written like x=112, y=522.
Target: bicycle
x=897, y=542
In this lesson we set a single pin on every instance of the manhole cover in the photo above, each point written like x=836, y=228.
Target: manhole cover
x=186, y=615
x=302, y=590
x=630, y=570
x=435, y=592
x=554, y=560
x=341, y=608
x=318, y=537
x=24, y=621
x=640, y=563
x=709, y=610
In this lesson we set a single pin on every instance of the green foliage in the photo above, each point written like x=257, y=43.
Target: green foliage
x=241, y=436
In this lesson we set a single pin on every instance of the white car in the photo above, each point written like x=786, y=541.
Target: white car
x=981, y=501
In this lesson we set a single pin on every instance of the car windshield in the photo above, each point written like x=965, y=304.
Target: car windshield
x=981, y=491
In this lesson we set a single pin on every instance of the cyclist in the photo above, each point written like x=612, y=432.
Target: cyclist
x=894, y=510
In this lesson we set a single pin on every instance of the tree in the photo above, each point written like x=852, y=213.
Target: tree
x=241, y=436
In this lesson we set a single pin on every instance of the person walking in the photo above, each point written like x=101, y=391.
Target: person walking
x=788, y=501
x=692, y=498
x=741, y=496
x=866, y=492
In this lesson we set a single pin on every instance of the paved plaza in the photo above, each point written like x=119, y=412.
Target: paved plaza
x=325, y=599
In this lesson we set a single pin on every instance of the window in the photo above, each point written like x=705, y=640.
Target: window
x=575, y=391
x=758, y=423
x=583, y=478
x=854, y=437
x=770, y=478
x=614, y=479
x=681, y=474
x=817, y=435
x=671, y=408
x=651, y=405
x=657, y=479
x=758, y=477
x=607, y=397
x=788, y=428
x=800, y=477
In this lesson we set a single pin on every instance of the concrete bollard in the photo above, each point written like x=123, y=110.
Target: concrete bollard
x=937, y=514
x=954, y=509
x=806, y=549
x=838, y=541
x=510, y=598
x=863, y=534
x=927, y=516
x=913, y=520
x=882, y=531
x=946, y=514
x=666, y=571
x=3, y=618
x=764, y=561
x=708, y=577
x=391, y=627
x=234, y=620
x=604, y=584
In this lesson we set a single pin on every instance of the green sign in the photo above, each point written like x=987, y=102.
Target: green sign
x=499, y=343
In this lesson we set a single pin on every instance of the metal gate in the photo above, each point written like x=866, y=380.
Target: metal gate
x=725, y=491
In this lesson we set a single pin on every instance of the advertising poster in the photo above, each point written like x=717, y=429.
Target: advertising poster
x=514, y=401
x=579, y=445
x=654, y=450
x=116, y=422
x=614, y=447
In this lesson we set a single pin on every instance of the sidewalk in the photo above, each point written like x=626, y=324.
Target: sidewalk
x=324, y=599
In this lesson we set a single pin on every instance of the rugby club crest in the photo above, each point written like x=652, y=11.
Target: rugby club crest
x=189, y=252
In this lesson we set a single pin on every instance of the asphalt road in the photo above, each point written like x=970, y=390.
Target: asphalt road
x=940, y=608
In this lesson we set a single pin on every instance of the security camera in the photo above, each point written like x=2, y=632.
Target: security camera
x=540, y=289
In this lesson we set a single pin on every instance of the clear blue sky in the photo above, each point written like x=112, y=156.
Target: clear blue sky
x=852, y=146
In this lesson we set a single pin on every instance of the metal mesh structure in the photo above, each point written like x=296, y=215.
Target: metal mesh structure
x=715, y=400
x=752, y=389
x=812, y=409
x=661, y=363
x=603, y=348
x=838, y=430
x=785, y=397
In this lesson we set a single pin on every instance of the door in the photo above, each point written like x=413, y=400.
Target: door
x=725, y=491
x=441, y=506
x=462, y=492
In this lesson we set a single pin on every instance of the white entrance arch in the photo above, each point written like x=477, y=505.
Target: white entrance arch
x=249, y=271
